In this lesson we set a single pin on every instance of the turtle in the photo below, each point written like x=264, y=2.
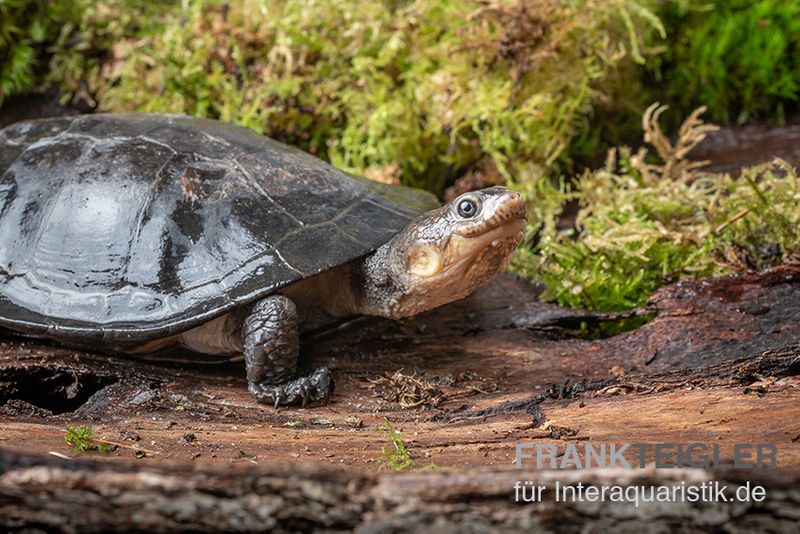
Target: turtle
x=139, y=233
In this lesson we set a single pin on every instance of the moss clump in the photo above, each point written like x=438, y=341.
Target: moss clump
x=738, y=57
x=93, y=38
x=412, y=90
x=645, y=221
x=72, y=43
x=27, y=27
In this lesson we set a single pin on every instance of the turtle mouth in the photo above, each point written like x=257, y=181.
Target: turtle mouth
x=501, y=238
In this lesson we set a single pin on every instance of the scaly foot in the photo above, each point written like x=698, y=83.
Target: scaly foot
x=316, y=386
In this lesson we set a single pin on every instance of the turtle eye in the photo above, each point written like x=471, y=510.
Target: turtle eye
x=467, y=208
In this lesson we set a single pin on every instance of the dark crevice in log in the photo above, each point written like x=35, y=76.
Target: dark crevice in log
x=52, y=390
x=772, y=364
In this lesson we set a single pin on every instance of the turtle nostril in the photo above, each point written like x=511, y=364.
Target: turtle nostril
x=515, y=202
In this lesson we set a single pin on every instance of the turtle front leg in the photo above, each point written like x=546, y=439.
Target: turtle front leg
x=271, y=347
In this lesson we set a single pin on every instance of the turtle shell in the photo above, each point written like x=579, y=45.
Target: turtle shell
x=128, y=227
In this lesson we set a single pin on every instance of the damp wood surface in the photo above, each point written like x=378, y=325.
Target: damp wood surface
x=718, y=362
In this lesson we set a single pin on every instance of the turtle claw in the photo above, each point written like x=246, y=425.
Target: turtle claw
x=316, y=386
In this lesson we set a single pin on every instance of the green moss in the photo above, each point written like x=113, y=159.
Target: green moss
x=72, y=43
x=416, y=90
x=738, y=57
x=644, y=222
x=27, y=27
x=94, y=38
x=422, y=90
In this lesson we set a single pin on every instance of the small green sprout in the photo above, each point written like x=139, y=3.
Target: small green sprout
x=395, y=453
x=81, y=439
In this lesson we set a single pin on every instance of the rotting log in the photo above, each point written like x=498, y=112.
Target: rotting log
x=731, y=148
x=717, y=362
x=97, y=496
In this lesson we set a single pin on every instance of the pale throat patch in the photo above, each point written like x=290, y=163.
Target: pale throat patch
x=424, y=260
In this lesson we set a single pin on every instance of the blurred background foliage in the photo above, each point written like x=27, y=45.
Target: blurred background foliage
x=412, y=91
x=741, y=58
x=451, y=95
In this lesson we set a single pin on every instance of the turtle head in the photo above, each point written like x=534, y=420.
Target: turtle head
x=445, y=254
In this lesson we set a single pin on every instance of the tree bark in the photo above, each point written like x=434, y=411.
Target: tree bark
x=98, y=496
